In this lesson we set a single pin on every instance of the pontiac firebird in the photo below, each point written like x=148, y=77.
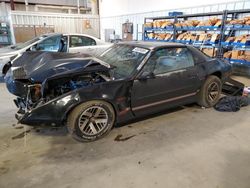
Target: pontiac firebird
x=129, y=80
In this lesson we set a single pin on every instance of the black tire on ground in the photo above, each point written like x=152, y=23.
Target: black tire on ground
x=91, y=120
x=210, y=92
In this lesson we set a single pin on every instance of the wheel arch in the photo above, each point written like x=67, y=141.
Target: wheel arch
x=72, y=107
x=216, y=73
x=6, y=67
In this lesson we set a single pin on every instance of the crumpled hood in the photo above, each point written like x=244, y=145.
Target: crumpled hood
x=40, y=65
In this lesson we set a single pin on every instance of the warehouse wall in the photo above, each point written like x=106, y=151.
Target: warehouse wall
x=85, y=3
x=115, y=12
x=62, y=20
x=63, y=23
x=121, y=7
x=49, y=8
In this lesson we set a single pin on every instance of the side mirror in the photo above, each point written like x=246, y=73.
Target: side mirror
x=33, y=48
x=146, y=75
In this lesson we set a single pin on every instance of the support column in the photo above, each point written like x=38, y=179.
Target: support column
x=78, y=6
x=26, y=5
x=12, y=5
x=36, y=8
x=94, y=9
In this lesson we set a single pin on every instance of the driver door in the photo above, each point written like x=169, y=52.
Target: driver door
x=174, y=80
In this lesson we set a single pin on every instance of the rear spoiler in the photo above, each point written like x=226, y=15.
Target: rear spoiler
x=233, y=87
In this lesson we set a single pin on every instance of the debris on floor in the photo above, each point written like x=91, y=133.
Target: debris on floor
x=119, y=138
x=17, y=126
x=3, y=170
x=246, y=91
x=231, y=103
x=21, y=135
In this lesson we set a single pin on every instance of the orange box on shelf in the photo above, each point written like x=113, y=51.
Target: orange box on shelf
x=218, y=23
x=236, y=54
x=228, y=54
x=230, y=39
x=209, y=51
x=202, y=37
x=214, y=37
x=148, y=24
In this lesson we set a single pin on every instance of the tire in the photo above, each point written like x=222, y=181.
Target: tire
x=6, y=67
x=91, y=120
x=210, y=92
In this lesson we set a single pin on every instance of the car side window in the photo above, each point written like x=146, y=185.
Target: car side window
x=78, y=41
x=170, y=59
x=51, y=44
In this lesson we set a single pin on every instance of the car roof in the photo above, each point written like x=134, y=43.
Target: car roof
x=152, y=45
x=68, y=34
x=50, y=34
x=80, y=34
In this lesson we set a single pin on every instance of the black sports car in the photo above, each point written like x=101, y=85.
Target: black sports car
x=131, y=79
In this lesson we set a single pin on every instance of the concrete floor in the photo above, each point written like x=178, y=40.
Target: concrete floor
x=186, y=147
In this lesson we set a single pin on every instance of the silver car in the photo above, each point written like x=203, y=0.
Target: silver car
x=55, y=43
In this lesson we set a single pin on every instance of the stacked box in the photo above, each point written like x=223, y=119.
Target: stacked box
x=205, y=38
x=162, y=36
x=237, y=54
x=148, y=25
x=211, y=52
x=228, y=55
x=151, y=35
x=240, y=22
x=162, y=23
x=214, y=38
x=210, y=22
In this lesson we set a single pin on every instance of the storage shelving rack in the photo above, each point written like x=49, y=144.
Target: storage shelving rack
x=224, y=31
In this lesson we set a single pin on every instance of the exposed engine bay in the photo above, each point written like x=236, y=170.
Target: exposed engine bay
x=56, y=87
x=38, y=94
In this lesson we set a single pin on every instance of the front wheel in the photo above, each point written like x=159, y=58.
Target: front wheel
x=210, y=92
x=91, y=120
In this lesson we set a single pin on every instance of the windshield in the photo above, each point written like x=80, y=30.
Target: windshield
x=25, y=44
x=124, y=59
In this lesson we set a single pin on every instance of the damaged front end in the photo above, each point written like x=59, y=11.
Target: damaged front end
x=49, y=102
x=31, y=100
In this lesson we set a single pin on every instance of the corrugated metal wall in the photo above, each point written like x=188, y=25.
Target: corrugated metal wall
x=115, y=22
x=74, y=23
x=54, y=2
x=63, y=23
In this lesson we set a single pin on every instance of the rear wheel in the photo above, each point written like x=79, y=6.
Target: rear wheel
x=210, y=92
x=91, y=120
